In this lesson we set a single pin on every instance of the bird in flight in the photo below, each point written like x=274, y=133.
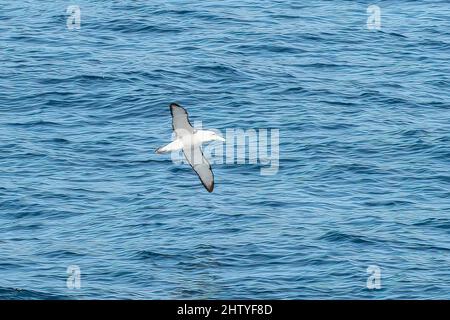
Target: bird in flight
x=190, y=140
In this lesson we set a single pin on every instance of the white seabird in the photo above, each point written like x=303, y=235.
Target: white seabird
x=190, y=140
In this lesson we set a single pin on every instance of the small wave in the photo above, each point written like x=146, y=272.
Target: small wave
x=440, y=223
x=387, y=203
x=23, y=294
x=147, y=254
x=58, y=141
x=335, y=236
x=35, y=123
x=394, y=34
x=137, y=26
x=270, y=48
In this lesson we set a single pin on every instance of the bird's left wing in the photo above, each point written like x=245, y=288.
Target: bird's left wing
x=201, y=166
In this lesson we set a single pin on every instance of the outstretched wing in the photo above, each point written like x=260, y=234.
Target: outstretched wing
x=180, y=120
x=201, y=166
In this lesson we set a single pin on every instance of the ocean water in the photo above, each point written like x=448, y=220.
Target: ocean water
x=363, y=178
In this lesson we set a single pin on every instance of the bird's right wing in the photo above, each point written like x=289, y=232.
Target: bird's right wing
x=201, y=166
x=180, y=120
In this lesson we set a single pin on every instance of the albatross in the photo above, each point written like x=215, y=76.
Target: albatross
x=190, y=140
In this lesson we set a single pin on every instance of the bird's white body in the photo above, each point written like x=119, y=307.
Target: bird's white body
x=190, y=140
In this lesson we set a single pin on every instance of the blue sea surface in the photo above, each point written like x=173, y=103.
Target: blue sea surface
x=364, y=155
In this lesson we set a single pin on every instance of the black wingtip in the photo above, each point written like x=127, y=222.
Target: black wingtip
x=173, y=106
x=210, y=188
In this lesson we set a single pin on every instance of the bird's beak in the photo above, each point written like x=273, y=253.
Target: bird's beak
x=220, y=138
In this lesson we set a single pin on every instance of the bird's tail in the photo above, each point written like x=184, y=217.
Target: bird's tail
x=161, y=150
x=173, y=146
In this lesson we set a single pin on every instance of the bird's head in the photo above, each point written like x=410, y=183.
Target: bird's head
x=209, y=135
